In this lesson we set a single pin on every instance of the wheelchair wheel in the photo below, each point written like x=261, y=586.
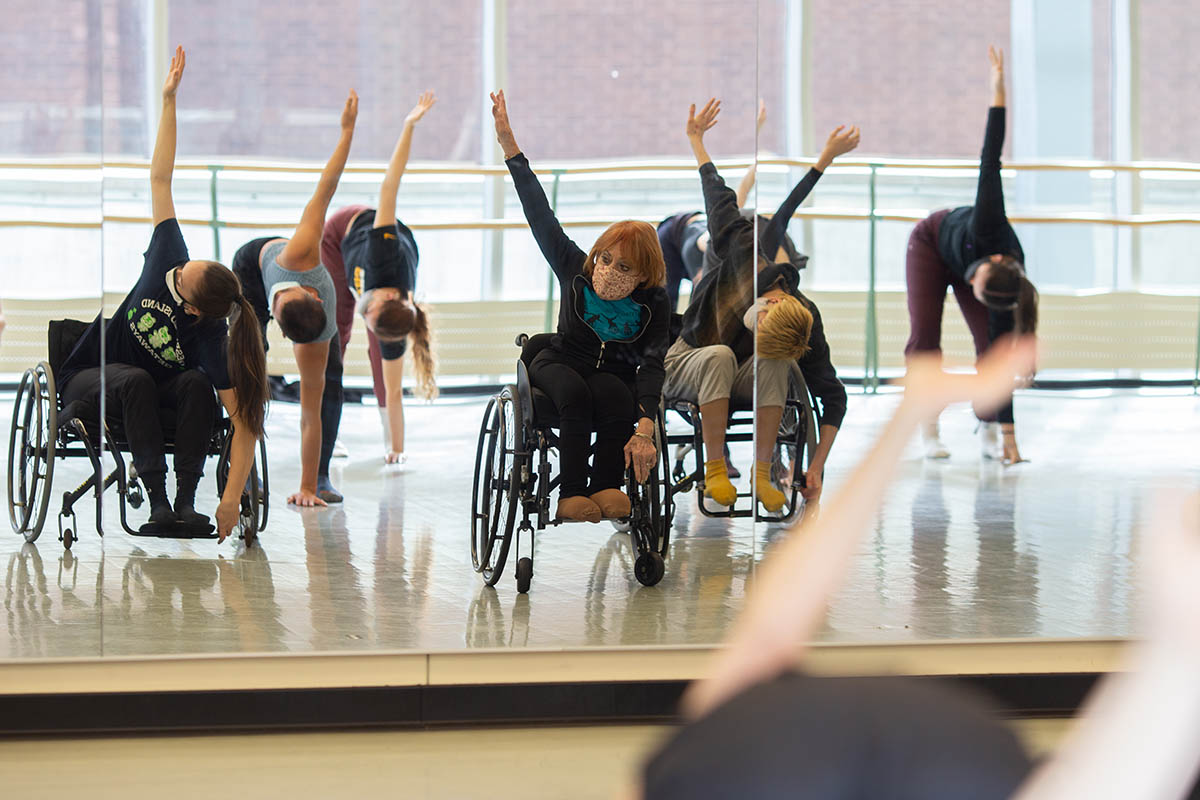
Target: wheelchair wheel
x=264, y=499
x=795, y=446
x=499, y=462
x=31, y=447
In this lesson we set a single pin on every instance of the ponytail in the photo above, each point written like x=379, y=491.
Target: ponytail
x=1026, y=313
x=423, y=360
x=219, y=294
x=248, y=366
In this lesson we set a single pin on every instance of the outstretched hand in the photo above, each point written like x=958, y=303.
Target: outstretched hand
x=698, y=124
x=929, y=389
x=175, y=73
x=424, y=103
x=504, y=133
x=762, y=113
x=843, y=139
x=996, y=56
x=350, y=111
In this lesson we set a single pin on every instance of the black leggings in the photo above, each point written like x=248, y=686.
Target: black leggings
x=331, y=404
x=136, y=402
x=587, y=400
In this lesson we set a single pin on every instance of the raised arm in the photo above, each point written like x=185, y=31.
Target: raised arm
x=162, y=164
x=797, y=580
x=747, y=183
x=841, y=141
x=990, y=216
x=303, y=250
x=731, y=236
x=385, y=216
x=562, y=254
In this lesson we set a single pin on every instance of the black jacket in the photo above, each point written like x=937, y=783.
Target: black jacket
x=638, y=359
x=726, y=290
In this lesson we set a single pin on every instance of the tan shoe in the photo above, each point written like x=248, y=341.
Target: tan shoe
x=578, y=509
x=613, y=503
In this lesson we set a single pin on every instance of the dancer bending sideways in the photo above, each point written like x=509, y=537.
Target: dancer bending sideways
x=286, y=281
x=373, y=257
x=604, y=368
x=714, y=357
x=974, y=251
x=184, y=330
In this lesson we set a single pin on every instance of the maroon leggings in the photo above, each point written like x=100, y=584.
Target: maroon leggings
x=928, y=278
x=331, y=257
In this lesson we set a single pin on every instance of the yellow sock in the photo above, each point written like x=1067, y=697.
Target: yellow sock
x=716, y=482
x=771, y=498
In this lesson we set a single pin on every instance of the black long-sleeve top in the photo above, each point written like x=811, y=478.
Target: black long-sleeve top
x=727, y=288
x=970, y=233
x=638, y=359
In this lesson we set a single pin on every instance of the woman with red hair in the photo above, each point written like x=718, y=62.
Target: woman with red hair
x=604, y=367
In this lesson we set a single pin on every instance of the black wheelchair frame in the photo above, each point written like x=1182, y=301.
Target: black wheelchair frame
x=512, y=471
x=43, y=430
x=794, y=447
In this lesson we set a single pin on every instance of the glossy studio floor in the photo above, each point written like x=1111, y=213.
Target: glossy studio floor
x=963, y=549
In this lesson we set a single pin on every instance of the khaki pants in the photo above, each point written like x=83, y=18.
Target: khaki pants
x=705, y=374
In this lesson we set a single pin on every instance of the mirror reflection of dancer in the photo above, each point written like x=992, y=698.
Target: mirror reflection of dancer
x=286, y=281
x=604, y=368
x=714, y=357
x=974, y=251
x=184, y=329
x=373, y=257
x=759, y=728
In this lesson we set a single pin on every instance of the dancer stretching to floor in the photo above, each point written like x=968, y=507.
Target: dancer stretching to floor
x=373, y=257
x=286, y=281
x=974, y=251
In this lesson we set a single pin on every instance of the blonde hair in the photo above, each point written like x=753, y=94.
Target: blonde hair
x=783, y=335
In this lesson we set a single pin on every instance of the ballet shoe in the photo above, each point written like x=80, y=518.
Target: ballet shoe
x=613, y=503
x=716, y=483
x=771, y=498
x=578, y=509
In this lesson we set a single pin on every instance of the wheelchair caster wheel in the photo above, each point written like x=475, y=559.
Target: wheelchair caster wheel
x=68, y=538
x=649, y=569
x=136, y=498
x=524, y=574
x=621, y=525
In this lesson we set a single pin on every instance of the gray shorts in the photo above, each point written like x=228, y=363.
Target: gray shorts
x=705, y=374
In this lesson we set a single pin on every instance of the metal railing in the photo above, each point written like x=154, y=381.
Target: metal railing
x=872, y=215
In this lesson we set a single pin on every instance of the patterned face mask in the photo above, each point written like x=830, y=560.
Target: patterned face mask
x=612, y=284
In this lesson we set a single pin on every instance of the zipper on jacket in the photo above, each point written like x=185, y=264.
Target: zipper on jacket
x=579, y=314
x=600, y=357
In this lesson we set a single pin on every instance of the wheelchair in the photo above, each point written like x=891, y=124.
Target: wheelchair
x=44, y=430
x=513, y=474
x=795, y=445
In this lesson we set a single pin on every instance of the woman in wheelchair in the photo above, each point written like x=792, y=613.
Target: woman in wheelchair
x=372, y=258
x=604, y=367
x=184, y=329
x=286, y=281
x=714, y=357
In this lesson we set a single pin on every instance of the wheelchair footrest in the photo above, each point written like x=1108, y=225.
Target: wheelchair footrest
x=177, y=530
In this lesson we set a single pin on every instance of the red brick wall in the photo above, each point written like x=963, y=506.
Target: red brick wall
x=1170, y=79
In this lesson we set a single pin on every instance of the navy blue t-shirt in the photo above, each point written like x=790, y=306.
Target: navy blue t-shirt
x=150, y=329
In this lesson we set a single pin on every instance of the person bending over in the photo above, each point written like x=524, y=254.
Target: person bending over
x=974, y=251
x=286, y=281
x=713, y=359
x=373, y=257
x=604, y=367
x=185, y=328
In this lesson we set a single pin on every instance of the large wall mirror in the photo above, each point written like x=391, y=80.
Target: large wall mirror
x=788, y=300
x=968, y=545
x=438, y=499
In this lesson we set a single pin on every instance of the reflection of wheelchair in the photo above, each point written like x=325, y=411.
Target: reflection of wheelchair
x=794, y=448
x=512, y=472
x=42, y=430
